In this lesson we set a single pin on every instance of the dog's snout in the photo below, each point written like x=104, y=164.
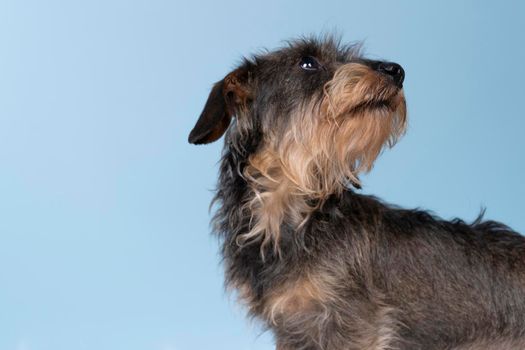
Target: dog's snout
x=393, y=70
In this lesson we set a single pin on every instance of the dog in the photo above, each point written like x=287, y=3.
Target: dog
x=321, y=265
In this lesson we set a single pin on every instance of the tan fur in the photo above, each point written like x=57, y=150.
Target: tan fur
x=310, y=304
x=384, y=334
x=300, y=296
x=327, y=144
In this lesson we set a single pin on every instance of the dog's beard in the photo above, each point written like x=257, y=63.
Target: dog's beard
x=368, y=112
x=326, y=144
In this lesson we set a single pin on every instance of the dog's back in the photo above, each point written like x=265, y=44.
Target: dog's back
x=448, y=282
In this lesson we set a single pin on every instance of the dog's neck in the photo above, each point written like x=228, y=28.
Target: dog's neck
x=258, y=205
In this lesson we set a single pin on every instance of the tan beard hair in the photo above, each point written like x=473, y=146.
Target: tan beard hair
x=327, y=144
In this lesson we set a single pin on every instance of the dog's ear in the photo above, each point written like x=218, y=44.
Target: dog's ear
x=214, y=119
x=226, y=97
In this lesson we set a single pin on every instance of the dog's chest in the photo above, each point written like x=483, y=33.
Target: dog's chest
x=292, y=299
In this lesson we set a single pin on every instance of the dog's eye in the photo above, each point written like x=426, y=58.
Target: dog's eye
x=309, y=63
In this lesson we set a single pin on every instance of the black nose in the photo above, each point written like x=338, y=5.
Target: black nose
x=394, y=70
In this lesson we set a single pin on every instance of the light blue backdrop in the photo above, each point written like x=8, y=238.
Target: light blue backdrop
x=104, y=240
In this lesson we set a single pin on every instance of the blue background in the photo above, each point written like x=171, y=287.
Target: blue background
x=104, y=234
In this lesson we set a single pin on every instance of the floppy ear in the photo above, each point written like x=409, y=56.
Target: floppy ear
x=214, y=119
x=225, y=96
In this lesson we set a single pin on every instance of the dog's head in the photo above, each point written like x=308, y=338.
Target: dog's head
x=308, y=118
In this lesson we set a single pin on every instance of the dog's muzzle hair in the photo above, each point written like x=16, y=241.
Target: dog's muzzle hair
x=326, y=143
